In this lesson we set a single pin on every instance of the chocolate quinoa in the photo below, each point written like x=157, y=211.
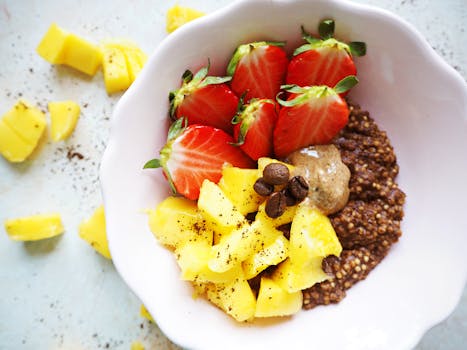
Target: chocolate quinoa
x=370, y=222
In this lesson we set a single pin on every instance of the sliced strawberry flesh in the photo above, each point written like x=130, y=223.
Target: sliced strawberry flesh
x=260, y=73
x=199, y=153
x=315, y=121
x=257, y=127
x=320, y=66
x=212, y=105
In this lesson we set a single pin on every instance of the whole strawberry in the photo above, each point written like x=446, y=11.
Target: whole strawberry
x=311, y=115
x=254, y=126
x=204, y=100
x=258, y=69
x=194, y=153
x=324, y=61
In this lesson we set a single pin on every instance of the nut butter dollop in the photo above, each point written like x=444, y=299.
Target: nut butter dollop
x=327, y=176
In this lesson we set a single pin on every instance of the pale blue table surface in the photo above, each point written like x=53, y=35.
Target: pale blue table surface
x=59, y=293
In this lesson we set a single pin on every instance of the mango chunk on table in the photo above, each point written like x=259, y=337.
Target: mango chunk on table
x=122, y=62
x=35, y=227
x=63, y=116
x=145, y=313
x=61, y=47
x=20, y=131
x=136, y=345
x=94, y=232
x=180, y=15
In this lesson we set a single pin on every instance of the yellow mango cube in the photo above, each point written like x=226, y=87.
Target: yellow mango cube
x=236, y=298
x=13, y=147
x=145, y=313
x=64, y=116
x=136, y=345
x=135, y=58
x=60, y=47
x=33, y=228
x=237, y=184
x=272, y=254
x=26, y=120
x=52, y=46
x=273, y=300
x=94, y=232
x=135, y=61
x=177, y=220
x=20, y=131
x=82, y=55
x=116, y=75
x=180, y=15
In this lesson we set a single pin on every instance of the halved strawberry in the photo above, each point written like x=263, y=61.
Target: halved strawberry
x=258, y=69
x=324, y=61
x=311, y=115
x=204, y=100
x=254, y=126
x=194, y=153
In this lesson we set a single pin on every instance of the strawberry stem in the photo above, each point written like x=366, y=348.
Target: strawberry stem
x=357, y=48
x=326, y=29
x=346, y=84
x=152, y=164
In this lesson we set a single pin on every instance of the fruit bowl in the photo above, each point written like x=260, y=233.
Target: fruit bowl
x=412, y=94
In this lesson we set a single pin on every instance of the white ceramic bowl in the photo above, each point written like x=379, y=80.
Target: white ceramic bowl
x=415, y=96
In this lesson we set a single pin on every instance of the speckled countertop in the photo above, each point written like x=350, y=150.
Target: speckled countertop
x=59, y=293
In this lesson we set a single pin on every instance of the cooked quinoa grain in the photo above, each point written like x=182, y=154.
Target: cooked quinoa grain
x=370, y=222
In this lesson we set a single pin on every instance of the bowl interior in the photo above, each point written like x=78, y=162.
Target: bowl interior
x=409, y=91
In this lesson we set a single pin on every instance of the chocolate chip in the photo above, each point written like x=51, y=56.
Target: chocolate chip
x=276, y=174
x=262, y=187
x=298, y=187
x=275, y=205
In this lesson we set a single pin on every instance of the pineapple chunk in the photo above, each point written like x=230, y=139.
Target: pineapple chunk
x=180, y=15
x=33, y=228
x=93, y=231
x=285, y=218
x=237, y=184
x=236, y=298
x=232, y=249
x=60, y=47
x=21, y=129
x=64, y=116
x=272, y=254
x=193, y=261
x=177, y=220
x=294, y=277
x=82, y=55
x=312, y=238
x=218, y=209
x=52, y=46
x=312, y=235
x=145, y=313
x=275, y=301
x=116, y=76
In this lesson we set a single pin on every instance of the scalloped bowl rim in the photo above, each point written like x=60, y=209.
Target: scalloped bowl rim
x=107, y=170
